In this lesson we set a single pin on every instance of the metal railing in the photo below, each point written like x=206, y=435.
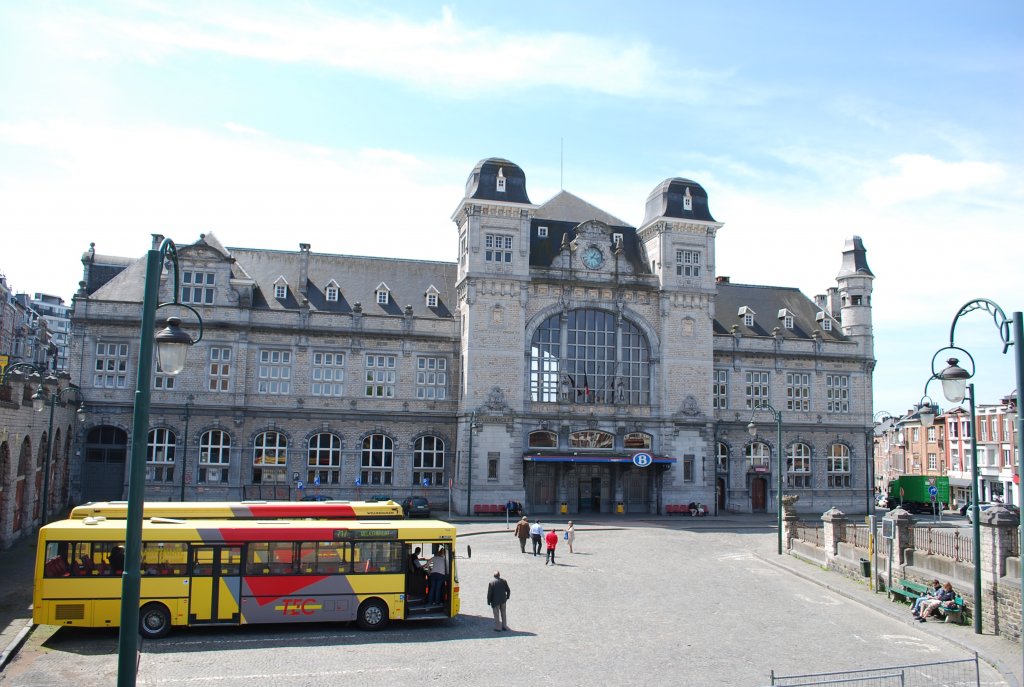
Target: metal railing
x=947, y=543
x=810, y=532
x=961, y=673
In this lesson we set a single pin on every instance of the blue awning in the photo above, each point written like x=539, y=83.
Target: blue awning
x=591, y=458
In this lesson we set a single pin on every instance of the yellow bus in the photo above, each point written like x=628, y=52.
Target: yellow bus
x=235, y=572
x=250, y=510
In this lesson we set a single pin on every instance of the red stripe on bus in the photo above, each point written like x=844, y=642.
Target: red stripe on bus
x=270, y=589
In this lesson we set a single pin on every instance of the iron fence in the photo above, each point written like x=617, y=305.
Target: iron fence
x=810, y=532
x=859, y=536
x=961, y=673
x=944, y=542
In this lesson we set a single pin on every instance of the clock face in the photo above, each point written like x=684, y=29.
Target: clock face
x=592, y=257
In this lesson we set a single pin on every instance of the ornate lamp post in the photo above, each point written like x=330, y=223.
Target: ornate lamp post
x=54, y=399
x=171, y=345
x=955, y=388
x=752, y=430
x=473, y=426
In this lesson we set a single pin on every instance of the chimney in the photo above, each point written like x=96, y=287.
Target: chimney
x=721, y=280
x=303, y=268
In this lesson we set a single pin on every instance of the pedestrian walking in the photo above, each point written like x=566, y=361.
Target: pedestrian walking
x=570, y=536
x=552, y=541
x=498, y=594
x=536, y=533
x=522, y=532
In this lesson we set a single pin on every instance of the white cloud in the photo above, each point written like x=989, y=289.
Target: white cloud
x=922, y=176
x=442, y=54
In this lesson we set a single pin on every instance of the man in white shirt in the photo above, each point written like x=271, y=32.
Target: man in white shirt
x=438, y=573
x=536, y=534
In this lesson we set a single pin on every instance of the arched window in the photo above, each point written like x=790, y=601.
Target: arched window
x=591, y=438
x=270, y=458
x=637, y=440
x=324, y=459
x=605, y=360
x=377, y=461
x=721, y=457
x=428, y=462
x=759, y=456
x=543, y=438
x=160, y=455
x=798, y=466
x=214, y=457
x=838, y=466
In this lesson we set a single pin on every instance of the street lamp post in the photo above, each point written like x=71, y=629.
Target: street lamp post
x=171, y=345
x=752, y=430
x=954, y=385
x=469, y=477
x=876, y=419
x=55, y=398
x=184, y=455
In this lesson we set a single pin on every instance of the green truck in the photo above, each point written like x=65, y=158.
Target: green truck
x=914, y=493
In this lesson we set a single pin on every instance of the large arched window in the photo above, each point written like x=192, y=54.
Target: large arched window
x=838, y=466
x=377, y=460
x=160, y=455
x=324, y=459
x=428, y=462
x=798, y=466
x=604, y=360
x=270, y=458
x=543, y=438
x=591, y=438
x=214, y=457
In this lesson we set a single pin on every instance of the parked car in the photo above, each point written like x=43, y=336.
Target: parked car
x=316, y=497
x=416, y=507
x=982, y=507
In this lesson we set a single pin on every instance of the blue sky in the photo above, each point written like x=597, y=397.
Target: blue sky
x=352, y=126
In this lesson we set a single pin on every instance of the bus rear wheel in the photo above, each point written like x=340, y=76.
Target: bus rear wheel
x=373, y=615
x=154, y=621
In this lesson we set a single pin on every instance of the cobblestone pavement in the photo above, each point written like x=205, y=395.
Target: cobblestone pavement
x=666, y=601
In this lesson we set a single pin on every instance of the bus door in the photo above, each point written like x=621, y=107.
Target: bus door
x=216, y=581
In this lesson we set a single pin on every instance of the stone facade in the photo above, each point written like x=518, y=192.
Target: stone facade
x=560, y=344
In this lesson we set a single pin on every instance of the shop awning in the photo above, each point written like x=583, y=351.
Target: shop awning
x=591, y=458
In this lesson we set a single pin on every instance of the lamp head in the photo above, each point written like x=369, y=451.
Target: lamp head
x=172, y=343
x=926, y=412
x=752, y=429
x=954, y=381
x=80, y=414
x=39, y=400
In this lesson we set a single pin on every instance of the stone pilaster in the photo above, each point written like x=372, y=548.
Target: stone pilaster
x=903, y=528
x=835, y=530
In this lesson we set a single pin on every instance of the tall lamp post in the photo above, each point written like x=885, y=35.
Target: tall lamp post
x=54, y=399
x=752, y=430
x=878, y=418
x=171, y=346
x=184, y=455
x=469, y=478
x=954, y=385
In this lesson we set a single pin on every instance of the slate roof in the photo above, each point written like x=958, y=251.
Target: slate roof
x=482, y=182
x=766, y=302
x=667, y=200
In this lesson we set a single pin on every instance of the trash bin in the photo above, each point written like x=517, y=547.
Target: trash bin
x=865, y=567
x=564, y=508
x=619, y=508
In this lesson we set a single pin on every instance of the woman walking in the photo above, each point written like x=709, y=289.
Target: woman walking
x=570, y=536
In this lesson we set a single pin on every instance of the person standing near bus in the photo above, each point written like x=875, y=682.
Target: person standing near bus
x=536, y=532
x=552, y=541
x=438, y=573
x=522, y=532
x=498, y=594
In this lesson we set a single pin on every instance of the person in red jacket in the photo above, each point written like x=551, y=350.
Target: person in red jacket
x=552, y=541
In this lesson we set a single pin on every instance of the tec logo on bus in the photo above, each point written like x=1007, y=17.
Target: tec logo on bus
x=298, y=606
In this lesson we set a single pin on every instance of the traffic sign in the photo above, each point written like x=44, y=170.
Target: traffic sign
x=359, y=481
x=300, y=485
x=933, y=490
x=316, y=480
x=642, y=460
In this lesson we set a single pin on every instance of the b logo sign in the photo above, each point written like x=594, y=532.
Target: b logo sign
x=642, y=460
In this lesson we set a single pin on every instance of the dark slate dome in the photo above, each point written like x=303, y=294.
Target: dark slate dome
x=482, y=183
x=668, y=200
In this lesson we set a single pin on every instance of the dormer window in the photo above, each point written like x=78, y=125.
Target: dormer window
x=542, y=232
x=383, y=294
x=432, y=294
x=687, y=200
x=281, y=288
x=825, y=320
x=332, y=291
x=748, y=315
x=501, y=180
x=786, y=316
x=617, y=240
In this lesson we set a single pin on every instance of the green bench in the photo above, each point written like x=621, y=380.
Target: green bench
x=906, y=590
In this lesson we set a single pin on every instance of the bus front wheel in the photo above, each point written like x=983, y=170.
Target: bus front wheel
x=154, y=621
x=373, y=615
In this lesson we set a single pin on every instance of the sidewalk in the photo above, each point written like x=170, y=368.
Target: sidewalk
x=1004, y=655
x=16, y=569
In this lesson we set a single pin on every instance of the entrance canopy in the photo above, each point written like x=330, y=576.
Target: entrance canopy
x=590, y=458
